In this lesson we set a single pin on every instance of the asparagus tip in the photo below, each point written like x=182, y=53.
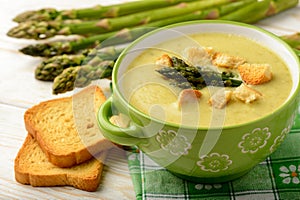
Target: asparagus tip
x=64, y=82
x=30, y=50
x=45, y=14
x=35, y=30
x=47, y=49
x=17, y=32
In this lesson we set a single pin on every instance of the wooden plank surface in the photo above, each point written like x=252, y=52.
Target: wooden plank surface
x=19, y=91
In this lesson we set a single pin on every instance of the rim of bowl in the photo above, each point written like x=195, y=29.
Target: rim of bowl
x=221, y=22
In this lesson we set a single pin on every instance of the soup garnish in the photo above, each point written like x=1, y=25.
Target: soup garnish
x=211, y=68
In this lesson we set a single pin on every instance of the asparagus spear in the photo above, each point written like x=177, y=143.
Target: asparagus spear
x=65, y=81
x=259, y=10
x=52, y=67
x=186, y=76
x=297, y=52
x=70, y=47
x=81, y=76
x=126, y=35
x=212, y=13
x=42, y=30
x=293, y=40
x=53, y=48
x=97, y=12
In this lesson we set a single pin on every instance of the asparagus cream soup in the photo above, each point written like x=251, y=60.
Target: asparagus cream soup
x=251, y=81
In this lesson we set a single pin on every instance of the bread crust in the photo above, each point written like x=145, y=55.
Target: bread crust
x=41, y=122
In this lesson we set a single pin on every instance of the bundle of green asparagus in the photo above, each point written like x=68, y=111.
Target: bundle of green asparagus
x=107, y=27
x=42, y=30
x=96, y=12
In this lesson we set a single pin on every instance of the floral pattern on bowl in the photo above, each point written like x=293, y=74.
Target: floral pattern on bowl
x=257, y=139
x=214, y=162
x=174, y=143
x=279, y=139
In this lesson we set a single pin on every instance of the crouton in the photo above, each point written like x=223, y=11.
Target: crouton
x=227, y=61
x=198, y=56
x=220, y=99
x=120, y=120
x=210, y=51
x=187, y=96
x=164, y=60
x=246, y=94
x=255, y=74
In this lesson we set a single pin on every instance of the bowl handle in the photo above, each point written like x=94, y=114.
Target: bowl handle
x=128, y=136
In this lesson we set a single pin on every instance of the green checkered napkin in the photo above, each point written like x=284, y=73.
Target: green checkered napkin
x=278, y=177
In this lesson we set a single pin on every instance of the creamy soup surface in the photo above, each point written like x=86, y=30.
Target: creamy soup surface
x=150, y=93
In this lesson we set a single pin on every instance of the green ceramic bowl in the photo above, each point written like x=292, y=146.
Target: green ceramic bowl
x=202, y=154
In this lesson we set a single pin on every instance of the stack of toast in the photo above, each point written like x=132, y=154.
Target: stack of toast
x=64, y=145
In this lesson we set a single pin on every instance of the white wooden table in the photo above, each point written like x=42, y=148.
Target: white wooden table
x=19, y=90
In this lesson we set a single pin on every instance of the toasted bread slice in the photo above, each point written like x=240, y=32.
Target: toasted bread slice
x=32, y=167
x=66, y=128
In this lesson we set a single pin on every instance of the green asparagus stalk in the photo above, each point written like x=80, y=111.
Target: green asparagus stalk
x=54, y=48
x=88, y=73
x=212, y=13
x=259, y=10
x=125, y=35
x=97, y=12
x=293, y=40
x=52, y=67
x=74, y=46
x=81, y=76
x=107, y=53
x=42, y=30
x=65, y=81
x=297, y=51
